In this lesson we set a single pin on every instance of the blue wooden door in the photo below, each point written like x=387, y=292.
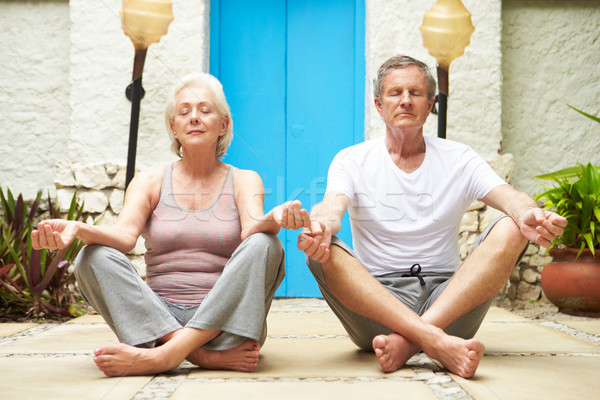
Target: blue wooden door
x=293, y=74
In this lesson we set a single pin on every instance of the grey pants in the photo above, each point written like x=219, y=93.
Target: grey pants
x=237, y=305
x=408, y=290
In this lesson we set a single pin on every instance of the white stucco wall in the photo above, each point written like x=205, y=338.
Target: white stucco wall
x=62, y=86
x=34, y=93
x=551, y=52
x=65, y=66
x=101, y=69
x=474, y=102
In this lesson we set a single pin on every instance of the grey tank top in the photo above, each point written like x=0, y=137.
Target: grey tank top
x=186, y=250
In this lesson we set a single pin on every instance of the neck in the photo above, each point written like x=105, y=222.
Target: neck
x=405, y=143
x=406, y=147
x=199, y=164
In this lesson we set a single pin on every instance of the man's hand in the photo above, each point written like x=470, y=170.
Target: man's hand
x=291, y=215
x=54, y=234
x=541, y=226
x=314, y=241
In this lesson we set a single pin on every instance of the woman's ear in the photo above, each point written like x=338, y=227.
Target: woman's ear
x=224, y=125
x=172, y=128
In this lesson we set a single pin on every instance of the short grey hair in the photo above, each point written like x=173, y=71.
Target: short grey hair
x=398, y=62
x=212, y=84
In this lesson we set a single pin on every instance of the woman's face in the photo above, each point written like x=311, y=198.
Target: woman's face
x=197, y=122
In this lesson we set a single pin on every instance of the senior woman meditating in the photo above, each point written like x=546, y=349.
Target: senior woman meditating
x=213, y=262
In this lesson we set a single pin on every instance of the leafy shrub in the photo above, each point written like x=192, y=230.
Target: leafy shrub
x=576, y=196
x=34, y=282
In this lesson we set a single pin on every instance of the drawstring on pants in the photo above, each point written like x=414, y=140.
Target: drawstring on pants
x=415, y=270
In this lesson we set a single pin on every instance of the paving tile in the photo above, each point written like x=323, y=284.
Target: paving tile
x=308, y=358
x=304, y=324
x=10, y=328
x=588, y=326
x=534, y=377
x=87, y=319
x=529, y=337
x=66, y=338
x=299, y=303
x=62, y=378
x=497, y=314
x=379, y=389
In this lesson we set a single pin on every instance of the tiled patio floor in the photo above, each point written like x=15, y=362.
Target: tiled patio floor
x=308, y=356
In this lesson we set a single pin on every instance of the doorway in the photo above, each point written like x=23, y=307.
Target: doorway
x=293, y=72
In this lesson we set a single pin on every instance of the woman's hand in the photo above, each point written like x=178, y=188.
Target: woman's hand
x=291, y=215
x=54, y=234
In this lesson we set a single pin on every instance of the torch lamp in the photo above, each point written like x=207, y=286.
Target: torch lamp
x=144, y=22
x=446, y=32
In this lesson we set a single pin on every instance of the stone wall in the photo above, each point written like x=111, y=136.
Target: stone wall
x=101, y=188
x=523, y=288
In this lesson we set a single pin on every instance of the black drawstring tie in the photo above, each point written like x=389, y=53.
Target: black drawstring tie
x=415, y=272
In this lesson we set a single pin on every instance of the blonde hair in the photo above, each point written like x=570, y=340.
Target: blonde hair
x=208, y=82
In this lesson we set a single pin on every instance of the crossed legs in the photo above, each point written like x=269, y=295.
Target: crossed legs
x=239, y=300
x=123, y=359
x=477, y=280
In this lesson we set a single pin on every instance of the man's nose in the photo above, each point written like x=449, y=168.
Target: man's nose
x=406, y=98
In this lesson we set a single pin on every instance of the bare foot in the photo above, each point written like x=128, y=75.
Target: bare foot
x=393, y=351
x=243, y=358
x=459, y=356
x=122, y=359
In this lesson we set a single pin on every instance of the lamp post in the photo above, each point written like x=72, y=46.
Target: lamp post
x=144, y=22
x=446, y=32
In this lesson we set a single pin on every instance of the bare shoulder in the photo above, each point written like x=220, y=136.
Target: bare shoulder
x=153, y=174
x=245, y=177
x=246, y=183
x=148, y=183
x=150, y=178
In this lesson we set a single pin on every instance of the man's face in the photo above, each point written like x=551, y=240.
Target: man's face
x=404, y=102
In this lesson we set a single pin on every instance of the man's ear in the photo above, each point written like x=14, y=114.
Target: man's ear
x=378, y=106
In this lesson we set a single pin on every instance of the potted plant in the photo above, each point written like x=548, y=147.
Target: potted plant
x=572, y=280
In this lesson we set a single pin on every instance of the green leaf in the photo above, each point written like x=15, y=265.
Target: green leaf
x=589, y=241
x=36, y=280
x=560, y=174
x=586, y=114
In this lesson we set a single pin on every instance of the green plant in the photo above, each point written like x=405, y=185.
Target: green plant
x=576, y=196
x=34, y=281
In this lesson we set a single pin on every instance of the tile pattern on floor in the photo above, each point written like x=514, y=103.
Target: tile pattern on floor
x=308, y=355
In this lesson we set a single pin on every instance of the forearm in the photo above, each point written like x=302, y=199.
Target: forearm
x=518, y=205
x=264, y=224
x=511, y=202
x=114, y=236
x=327, y=216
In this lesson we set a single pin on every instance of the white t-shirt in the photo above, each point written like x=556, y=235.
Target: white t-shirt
x=401, y=219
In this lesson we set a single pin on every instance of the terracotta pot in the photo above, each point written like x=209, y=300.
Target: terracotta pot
x=573, y=285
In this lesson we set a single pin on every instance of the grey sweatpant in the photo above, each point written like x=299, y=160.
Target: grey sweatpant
x=409, y=291
x=237, y=305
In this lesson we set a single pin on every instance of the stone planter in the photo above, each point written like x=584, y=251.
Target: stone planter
x=573, y=285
